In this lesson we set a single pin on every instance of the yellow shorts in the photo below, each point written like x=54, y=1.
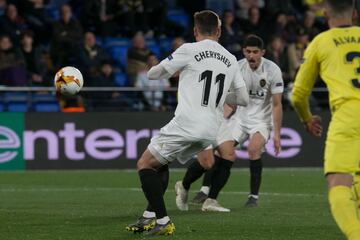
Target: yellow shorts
x=342, y=150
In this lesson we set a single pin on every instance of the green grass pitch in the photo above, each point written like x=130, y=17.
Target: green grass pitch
x=98, y=205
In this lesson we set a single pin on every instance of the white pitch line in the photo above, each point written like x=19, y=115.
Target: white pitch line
x=100, y=189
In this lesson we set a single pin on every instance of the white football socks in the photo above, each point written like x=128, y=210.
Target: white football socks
x=205, y=189
x=148, y=214
x=163, y=220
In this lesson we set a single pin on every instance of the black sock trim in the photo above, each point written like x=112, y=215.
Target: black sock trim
x=221, y=176
x=255, y=176
x=256, y=163
x=152, y=188
x=193, y=173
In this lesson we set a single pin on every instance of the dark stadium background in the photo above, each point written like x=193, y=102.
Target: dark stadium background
x=114, y=43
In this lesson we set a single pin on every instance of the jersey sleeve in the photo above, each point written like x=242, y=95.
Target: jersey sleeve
x=177, y=60
x=238, y=80
x=305, y=80
x=277, y=83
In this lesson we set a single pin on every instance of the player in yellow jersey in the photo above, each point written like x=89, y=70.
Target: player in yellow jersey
x=335, y=55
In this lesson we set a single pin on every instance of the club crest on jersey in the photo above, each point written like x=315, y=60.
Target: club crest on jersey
x=262, y=83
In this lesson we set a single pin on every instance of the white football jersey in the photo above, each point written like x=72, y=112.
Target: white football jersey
x=207, y=71
x=262, y=83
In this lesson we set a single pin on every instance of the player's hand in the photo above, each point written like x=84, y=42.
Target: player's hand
x=277, y=145
x=314, y=126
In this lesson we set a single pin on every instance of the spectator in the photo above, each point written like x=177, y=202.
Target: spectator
x=108, y=99
x=12, y=69
x=219, y=6
x=296, y=51
x=12, y=24
x=284, y=27
x=71, y=103
x=91, y=55
x=156, y=17
x=277, y=53
x=316, y=6
x=137, y=56
x=67, y=35
x=308, y=24
x=231, y=37
x=153, y=100
x=174, y=79
x=158, y=24
x=132, y=16
x=33, y=60
x=273, y=7
x=34, y=13
x=245, y=5
x=175, y=44
x=2, y=6
x=253, y=25
x=106, y=77
x=100, y=15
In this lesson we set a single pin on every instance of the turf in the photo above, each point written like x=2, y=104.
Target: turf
x=99, y=204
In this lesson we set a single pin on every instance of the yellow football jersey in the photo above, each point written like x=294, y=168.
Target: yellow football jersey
x=335, y=55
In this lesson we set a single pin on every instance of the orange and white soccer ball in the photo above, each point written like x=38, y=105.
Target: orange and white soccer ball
x=68, y=80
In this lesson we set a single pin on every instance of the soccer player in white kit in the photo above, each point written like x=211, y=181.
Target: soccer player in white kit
x=207, y=72
x=254, y=122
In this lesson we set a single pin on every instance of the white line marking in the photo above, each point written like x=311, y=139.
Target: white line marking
x=105, y=189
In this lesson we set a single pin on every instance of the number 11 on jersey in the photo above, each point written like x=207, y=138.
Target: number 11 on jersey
x=206, y=76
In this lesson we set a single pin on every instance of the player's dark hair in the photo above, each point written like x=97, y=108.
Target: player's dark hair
x=207, y=22
x=340, y=6
x=253, y=41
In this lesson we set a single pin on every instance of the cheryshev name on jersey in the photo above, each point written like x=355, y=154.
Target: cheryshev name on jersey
x=211, y=54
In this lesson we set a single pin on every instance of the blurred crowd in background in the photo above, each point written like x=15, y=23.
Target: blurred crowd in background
x=115, y=42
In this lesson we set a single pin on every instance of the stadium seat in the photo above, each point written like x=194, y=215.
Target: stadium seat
x=38, y=97
x=116, y=41
x=156, y=50
x=17, y=107
x=165, y=45
x=121, y=79
x=219, y=6
x=47, y=107
x=119, y=54
x=52, y=12
x=179, y=17
x=2, y=107
x=15, y=96
x=153, y=46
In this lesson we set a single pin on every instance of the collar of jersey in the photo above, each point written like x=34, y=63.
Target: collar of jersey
x=259, y=68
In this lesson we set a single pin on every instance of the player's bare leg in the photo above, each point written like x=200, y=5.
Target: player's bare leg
x=256, y=144
x=226, y=157
x=152, y=187
x=204, y=162
x=343, y=204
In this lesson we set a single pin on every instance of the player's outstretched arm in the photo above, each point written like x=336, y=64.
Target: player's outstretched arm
x=239, y=97
x=158, y=72
x=303, y=85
